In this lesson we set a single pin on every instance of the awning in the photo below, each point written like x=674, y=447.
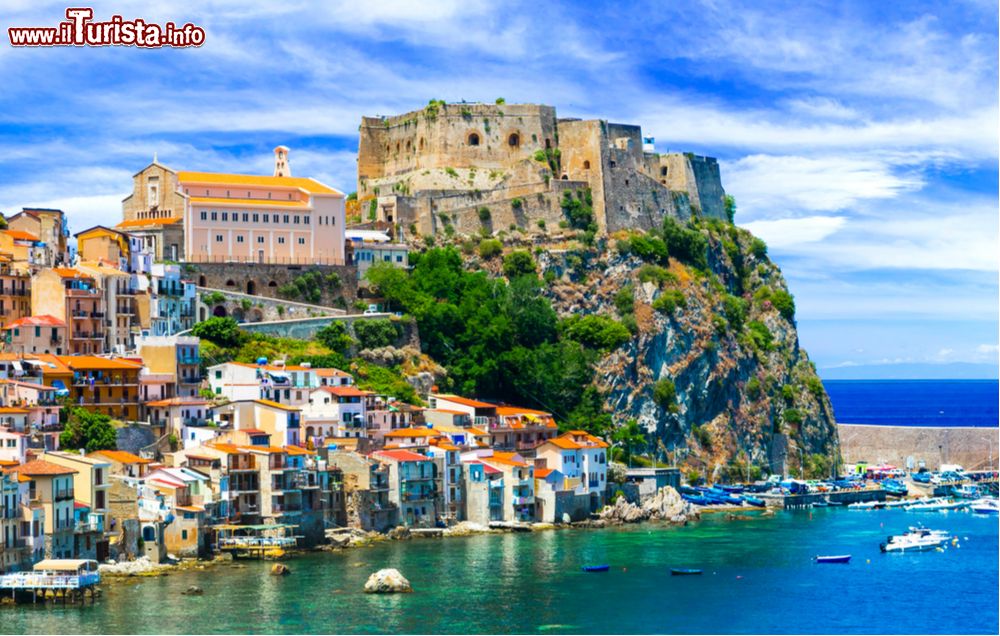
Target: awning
x=17, y=366
x=279, y=376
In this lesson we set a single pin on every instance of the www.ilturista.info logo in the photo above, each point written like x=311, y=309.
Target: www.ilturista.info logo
x=79, y=29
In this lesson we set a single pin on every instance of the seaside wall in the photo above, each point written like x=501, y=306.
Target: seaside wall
x=973, y=448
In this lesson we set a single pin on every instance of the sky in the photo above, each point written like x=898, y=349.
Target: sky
x=859, y=138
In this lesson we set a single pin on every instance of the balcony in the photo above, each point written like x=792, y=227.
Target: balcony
x=83, y=527
x=62, y=494
x=286, y=508
x=523, y=501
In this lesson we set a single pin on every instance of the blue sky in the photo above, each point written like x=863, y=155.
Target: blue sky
x=859, y=138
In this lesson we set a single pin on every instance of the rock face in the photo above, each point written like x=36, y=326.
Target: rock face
x=280, y=569
x=665, y=505
x=387, y=581
x=741, y=387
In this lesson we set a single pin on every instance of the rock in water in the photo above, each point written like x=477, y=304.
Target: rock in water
x=193, y=590
x=399, y=532
x=280, y=569
x=387, y=581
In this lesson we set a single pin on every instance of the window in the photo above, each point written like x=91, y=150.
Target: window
x=281, y=240
x=663, y=171
x=305, y=219
x=334, y=220
x=267, y=218
x=215, y=216
x=285, y=219
x=246, y=217
x=239, y=238
x=296, y=221
x=38, y=332
x=514, y=140
x=225, y=216
x=302, y=240
x=260, y=239
x=473, y=139
x=256, y=217
x=586, y=165
x=218, y=238
x=204, y=216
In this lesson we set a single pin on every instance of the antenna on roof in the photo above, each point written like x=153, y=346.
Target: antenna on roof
x=154, y=156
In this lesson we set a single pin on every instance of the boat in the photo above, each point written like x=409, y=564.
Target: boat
x=689, y=490
x=843, y=558
x=894, y=488
x=867, y=505
x=697, y=500
x=899, y=503
x=985, y=507
x=921, y=478
x=596, y=568
x=720, y=497
x=916, y=540
x=832, y=502
x=935, y=506
x=732, y=489
x=754, y=501
x=822, y=503
x=967, y=491
x=684, y=571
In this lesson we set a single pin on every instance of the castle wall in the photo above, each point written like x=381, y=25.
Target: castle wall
x=708, y=185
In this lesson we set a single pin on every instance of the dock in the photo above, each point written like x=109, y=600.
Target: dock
x=792, y=502
x=65, y=580
x=254, y=541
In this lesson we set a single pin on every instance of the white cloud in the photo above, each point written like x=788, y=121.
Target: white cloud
x=783, y=233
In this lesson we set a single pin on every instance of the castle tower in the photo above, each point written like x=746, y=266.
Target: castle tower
x=281, y=167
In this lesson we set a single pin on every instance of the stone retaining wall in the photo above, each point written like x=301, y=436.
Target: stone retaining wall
x=974, y=448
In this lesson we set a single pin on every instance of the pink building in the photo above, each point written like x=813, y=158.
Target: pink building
x=259, y=219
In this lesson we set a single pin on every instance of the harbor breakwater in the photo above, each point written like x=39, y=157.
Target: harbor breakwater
x=975, y=448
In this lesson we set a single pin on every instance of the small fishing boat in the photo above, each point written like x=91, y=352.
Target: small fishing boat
x=732, y=489
x=894, y=488
x=684, y=571
x=842, y=558
x=916, y=540
x=831, y=502
x=822, y=503
x=596, y=568
x=754, y=501
x=697, y=500
x=985, y=507
x=921, y=478
x=689, y=490
x=866, y=505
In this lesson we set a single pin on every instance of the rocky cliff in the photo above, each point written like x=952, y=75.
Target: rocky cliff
x=714, y=372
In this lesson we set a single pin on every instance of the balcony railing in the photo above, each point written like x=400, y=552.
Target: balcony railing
x=63, y=494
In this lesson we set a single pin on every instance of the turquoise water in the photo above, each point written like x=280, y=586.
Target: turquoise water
x=759, y=578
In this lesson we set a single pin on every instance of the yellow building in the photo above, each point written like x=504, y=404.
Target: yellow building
x=109, y=386
x=49, y=226
x=91, y=480
x=15, y=291
x=100, y=243
x=52, y=490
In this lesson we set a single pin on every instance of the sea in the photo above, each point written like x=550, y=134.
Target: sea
x=916, y=402
x=758, y=576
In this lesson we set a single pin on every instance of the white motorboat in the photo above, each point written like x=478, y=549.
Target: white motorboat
x=866, y=505
x=985, y=507
x=938, y=505
x=918, y=540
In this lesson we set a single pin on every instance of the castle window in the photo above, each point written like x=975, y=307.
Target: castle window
x=281, y=240
x=408, y=146
x=586, y=165
x=548, y=143
x=397, y=146
x=230, y=283
x=626, y=181
x=514, y=140
x=473, y=139
x=663, y=171
x=565, y=177
x=387, y=147
x=421, y=143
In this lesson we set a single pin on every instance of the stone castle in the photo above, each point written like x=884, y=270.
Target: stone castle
x=494, y=166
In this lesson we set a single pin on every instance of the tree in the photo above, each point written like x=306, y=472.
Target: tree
x=730, y=203
x=629, y=436
x=665, y=395
x=334, y=337
x=597, y=332
x=688, y=246
x=224, y=332
x=784, y=303
x=518, y=263
x=88, y=430
x=490, y=248
x=375, y=333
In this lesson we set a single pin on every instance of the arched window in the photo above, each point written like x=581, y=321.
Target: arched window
x=397, y=146
x=663, y=171
x=201, y=281
x=474, y=139
x=272, y=284
x=421, y=143
x=565, y=177
x=251, y=287
x=514, y=140
x=230, y=283
x=408, y=145
x=586, y=165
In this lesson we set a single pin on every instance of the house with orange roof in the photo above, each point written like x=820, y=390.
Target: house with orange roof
x=280, y=421
x=38, y=399
x=74, y=297
x=385, y=413
x=123, y=462
x=51, y=490
x=519, y=482
x=91, y=484
x=521, y=429
x=106, y=385
x=335, y=411
x=482, y=414
x=412, y=486
x=582, y=459
x=185, y=417
x=36, y=334
x=50, y=226
x=13, y=443
x=448, y=461
x=189, y=495
x=366, y=486
x=15, y=293
x=24, y=249
x=483, y=492
x=287, y=384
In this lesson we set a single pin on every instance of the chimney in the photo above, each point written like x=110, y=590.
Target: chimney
x=281, y=167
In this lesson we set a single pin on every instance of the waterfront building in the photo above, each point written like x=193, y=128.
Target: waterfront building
x=74, y=297
x=91, y=481
x=280, y=479
x=448, y=464
x=366, y=491
x=519, y=483
x=411, y=486
x=14, y=554
x=35, y=334
x=188, y=494
x=582, y=459
x=483, y=487
x=51, y=490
